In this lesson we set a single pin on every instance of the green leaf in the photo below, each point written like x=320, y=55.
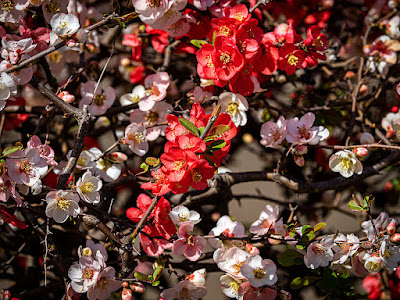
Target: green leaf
x=143, y=277
x=214, y=37
x=319, y=226
x=198, y=43
x=310, y=235
x=10, y=150
x=216, y=131
x=156, y=283
x=306, y=228
x=353, y=205
x=152, y=161
x=144, y=167
x=290, y=257
x=368, y=200
x=296, y=283
x=189, y=126
x=216, y=145
x=201, y=129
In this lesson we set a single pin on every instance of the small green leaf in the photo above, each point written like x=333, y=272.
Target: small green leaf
x=310, y=235
x=319, y=226
x=189, y=126
x=198, y=43
x=214, y=37
x=201, y=129
x=218, y=130
x=353, y=205
x=156, y=283
x=157, y=272
x=152, y=161
x=144, y=167
x=143, y=277
x=306, y=228
x=216, y=145
x=10, y=150
x=296, y=283
x=290, y=257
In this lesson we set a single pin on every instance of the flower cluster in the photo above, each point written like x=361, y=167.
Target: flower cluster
x=239, y=50
x=189, y=160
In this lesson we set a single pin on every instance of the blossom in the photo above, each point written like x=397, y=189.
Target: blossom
x=45, y=150
x=97, y=99
x=291, y=58
x=230, y=286
x=156, y=90
x=380, y=223
x=268, y=222
x=135, y=137
x=184, y=290
x=373, y=263
x=259, y=272
x=247, y=292
x=7, y=89
x=191, y=246
x=181, y=214
x=346, y=163
x=302, y=131
x=84, y=274
x=104, y=285
x=273, y=134
x=231, y=261
x=390, y=254
x=198, y=277
x=63, y=25
x=61, y=205
x=51, y=7
x=26, y=167
x=88, y=188
x=104, y=167
x=7, y=190
x=236, y=106
x=226, y=227
x=96, y=251
x=12, y=11
x=137, y=93
x=345, y=247
x=319, y=253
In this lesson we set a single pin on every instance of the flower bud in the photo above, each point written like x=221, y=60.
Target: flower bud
x=252, y=250
x=80, y=35
x=363, y=89
x=70, y=43
x=388, y=186
x=125, y=62
x=395, y=238
x=284, y=295
x=349, y=75
x=301, y=149
x=117, y=157
x=247, y=138
x=281, y=79
x=137, y=287
x=299, y=160
x=126, y=294
x=66, y=96
x=391, y=228
x=125, y=284
x=6, y=294
x=367, y=138
x=395, y=109
x=361, y=152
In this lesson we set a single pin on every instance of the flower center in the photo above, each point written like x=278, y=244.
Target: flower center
x=303, y=131
x=225, y=58
x=259, y=273
x=233, y=285
x=183, y=216
x=154, y=91
x=184, y=294
x=99, y=99
x=87, y=273
x=62, y=203
x=81, y=161
x=318, y=249
x=210, y=63
x=135, y=98
x=25, y=166
x=87, y=251
x=275, y=133
x=238, y=16
x=56, y=56
x=224, y=30
x=292, y=60
x=191, y=241
x=196, y=176
x=102, y=283
x=136, y=137
x=153, y=3
x=7, y=5
x=232, y=109
x=151, y=117
x=179, y=165
x=345, y=163
x=63, y=24
x=52, y=7
x=87, y=187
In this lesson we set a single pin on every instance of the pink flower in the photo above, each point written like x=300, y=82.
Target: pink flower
x=104, y=285
x=7, y=190
x=156, y=115
x=232, y=260
x=226, y=227
x=319, y=253
x=184, y=290
x=191, y=246
x=273, y=134
x=156, y=90
x=268, y=222
x=96, y=251
x=247, y=292
x=61, y=205
x=97, y=100
x=88, y=188
x=259, y=272
x=26, y=167
x=84, y=274
x=45, y=150
x=135, y=137
x=302, y=131
x=345, y=247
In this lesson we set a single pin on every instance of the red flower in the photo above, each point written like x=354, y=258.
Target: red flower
x=200, y=25
x=177, y=163
x=133, y=41
x=199, y=173
x=291, y=59
x=228, y=60
x=160, y=186
x=268, y=61
x=7, y=216
x=239, y=13
x=224, y=27
x=14, y=120
x=137, y=74
x=206, y=62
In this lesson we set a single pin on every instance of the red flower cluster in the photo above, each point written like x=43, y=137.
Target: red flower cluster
x=159, y=224
x=189, y=160
x=240, y=49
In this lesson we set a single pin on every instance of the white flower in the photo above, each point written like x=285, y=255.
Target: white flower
x=7, y=88
x=181, y=214
x=88, y=188
x=380, y=224
x=138, y=93
x=389, y=254
x=230, y=286
x=104, y=166
x=135, y=137
x=226, y=227
x=96, y=251
x=345, y=247
x=84, y=274
x=236, y=106
x=62, y=204
x=259, y=272
x=198, y=277
x=268, y=222
x=346, y=163
x=319, y=253
x=231, y=261
x=373, y=264
x=63, y=25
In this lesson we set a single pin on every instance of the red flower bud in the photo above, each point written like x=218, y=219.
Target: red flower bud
x=137, y=287
x=391, y=228
x=388, y=186
x=360, y=151
x=395, y=109
x=126, y=294
x=395, y=238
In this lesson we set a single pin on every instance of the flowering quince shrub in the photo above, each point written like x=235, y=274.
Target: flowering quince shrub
x=128, y=129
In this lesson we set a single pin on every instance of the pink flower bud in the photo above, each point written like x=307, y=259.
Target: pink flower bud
x=70, y=43
x=284, y=295
x=299, y=160
x=125, y=284
x=391, y=228
x=80, y=35
x=125, y=62
x=361, y=152
x=137, y=287
x=6, y=294
x=301, y=149
x=388, y=186
x=117, y=157
x=395, y=238
x=252, y=250
x=66, y=96
x=363, y=89
x=349, y=75
x=126, y=294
